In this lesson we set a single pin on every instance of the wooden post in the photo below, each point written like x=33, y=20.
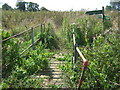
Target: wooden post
x=74, y=42
x=75, y=53
x=41, y=28
x=118, y=22
x=74, y=46
x=32, y=37
x=44, y=27
x=103, y=18
x=75, y=56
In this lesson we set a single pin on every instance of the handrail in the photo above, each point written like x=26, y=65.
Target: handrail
x=18, y=34
x=74, y=42
x=77, y=51
x=85, y=63
x=30, y=46
x=32, y=37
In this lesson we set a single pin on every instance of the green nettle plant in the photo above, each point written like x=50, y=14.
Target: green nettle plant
x=102, y=54
x=36, y=62
x=10, y=54
x=18, y=69
x=102, y=72
x=49, y=39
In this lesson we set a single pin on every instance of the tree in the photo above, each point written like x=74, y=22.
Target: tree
x=28, y=6
x=6, y=7
x=115, y=4
x=32, y=6
x=109, y=7
x=21, y=6
x=43, y=9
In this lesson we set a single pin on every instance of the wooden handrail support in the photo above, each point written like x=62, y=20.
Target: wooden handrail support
x=30, y=46
x=85, y=63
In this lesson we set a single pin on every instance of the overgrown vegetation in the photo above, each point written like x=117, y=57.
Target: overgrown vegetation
x=17, y=70
x=99, y=45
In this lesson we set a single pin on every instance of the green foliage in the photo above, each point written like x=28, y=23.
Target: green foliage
x=36, y=62
x=68, y=70
x=107, y=24
x=115, y=4
x=6, y=7
x=21, y=6
x=49, y=39
x=32, y=6
x=108, y=8
x=17, y=69
x=103, y=69
x=43, y=9
x=24, y=82
x=27, y=6
x=80, y=37
x=10, y=54
x=103, y=62
x=99, y=46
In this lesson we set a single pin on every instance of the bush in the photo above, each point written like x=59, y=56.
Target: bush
x=10, y=54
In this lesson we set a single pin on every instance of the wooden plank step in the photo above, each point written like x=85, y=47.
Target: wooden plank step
x=48, y=77
x=53, y=67
x=51, y=73
x=60, y=81
x=56, y=63
x=55, y=79
x=53, y=70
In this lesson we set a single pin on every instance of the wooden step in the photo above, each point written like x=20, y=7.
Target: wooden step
x=53, y=61
x=55, y=73
x=53, y=81
x=56, y=63
x=52, y=75
x=53, y=70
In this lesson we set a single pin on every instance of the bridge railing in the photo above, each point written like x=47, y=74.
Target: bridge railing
x=75, y=57
x=32, y=32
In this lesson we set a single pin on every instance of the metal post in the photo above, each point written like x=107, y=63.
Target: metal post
x=32, y=37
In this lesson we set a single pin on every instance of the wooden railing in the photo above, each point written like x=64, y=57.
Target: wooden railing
x=76, y=52
x=42, y=29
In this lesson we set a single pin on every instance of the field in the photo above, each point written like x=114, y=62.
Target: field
x=99, y=43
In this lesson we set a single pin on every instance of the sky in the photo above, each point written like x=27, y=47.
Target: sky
x=64, y=5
